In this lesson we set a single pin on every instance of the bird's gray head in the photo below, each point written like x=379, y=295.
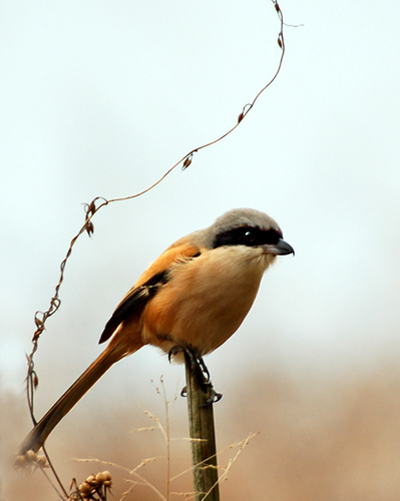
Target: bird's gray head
x=247, y=227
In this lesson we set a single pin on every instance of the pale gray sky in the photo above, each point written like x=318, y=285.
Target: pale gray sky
x=100, y=98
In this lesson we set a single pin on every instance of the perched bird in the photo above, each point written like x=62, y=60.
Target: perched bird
x=193, y=297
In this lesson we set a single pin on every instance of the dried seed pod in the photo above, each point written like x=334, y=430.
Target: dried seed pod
x=90, y=208
x=92, y=480
x=38, y=321
x=41, y=461
x=107, y=474
x=85, y=488
x=100, y=477
x=89, y=228
x=20, y=461
x=107, y=478
x=30, y=456
x=187, y=162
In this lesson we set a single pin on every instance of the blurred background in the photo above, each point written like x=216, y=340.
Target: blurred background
x=100, y=98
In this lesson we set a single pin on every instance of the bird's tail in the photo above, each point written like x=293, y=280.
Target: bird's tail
x=64, y=404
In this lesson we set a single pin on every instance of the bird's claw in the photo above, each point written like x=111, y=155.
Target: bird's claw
x=213, y=398
x=200, y=371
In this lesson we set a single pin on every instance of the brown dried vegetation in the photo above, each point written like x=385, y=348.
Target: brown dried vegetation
x=319, y=440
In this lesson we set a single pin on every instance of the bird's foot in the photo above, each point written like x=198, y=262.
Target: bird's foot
x=199, y=370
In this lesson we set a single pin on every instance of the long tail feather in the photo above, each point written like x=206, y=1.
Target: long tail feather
x=66, y=402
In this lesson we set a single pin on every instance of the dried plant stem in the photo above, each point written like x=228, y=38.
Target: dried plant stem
x=202, y=434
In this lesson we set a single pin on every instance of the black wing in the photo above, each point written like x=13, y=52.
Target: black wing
x=135, y=299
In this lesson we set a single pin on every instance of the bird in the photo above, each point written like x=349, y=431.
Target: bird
x=191, y=299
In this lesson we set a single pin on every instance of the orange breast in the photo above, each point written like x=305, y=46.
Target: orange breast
x=205, y=301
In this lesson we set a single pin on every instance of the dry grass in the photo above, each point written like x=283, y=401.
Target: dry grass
x=318, y=441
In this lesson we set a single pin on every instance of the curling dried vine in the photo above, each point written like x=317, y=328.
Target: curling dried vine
x=99, y=202
x=92, y=208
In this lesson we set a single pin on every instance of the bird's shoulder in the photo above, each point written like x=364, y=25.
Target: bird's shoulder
x=156, y=275
x=177, y=252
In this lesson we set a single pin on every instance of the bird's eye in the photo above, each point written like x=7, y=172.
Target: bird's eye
x=250, y=236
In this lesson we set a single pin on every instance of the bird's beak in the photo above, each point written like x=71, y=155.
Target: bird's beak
x=280, y=249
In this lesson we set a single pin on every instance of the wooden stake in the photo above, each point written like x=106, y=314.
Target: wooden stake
x=202, y=433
